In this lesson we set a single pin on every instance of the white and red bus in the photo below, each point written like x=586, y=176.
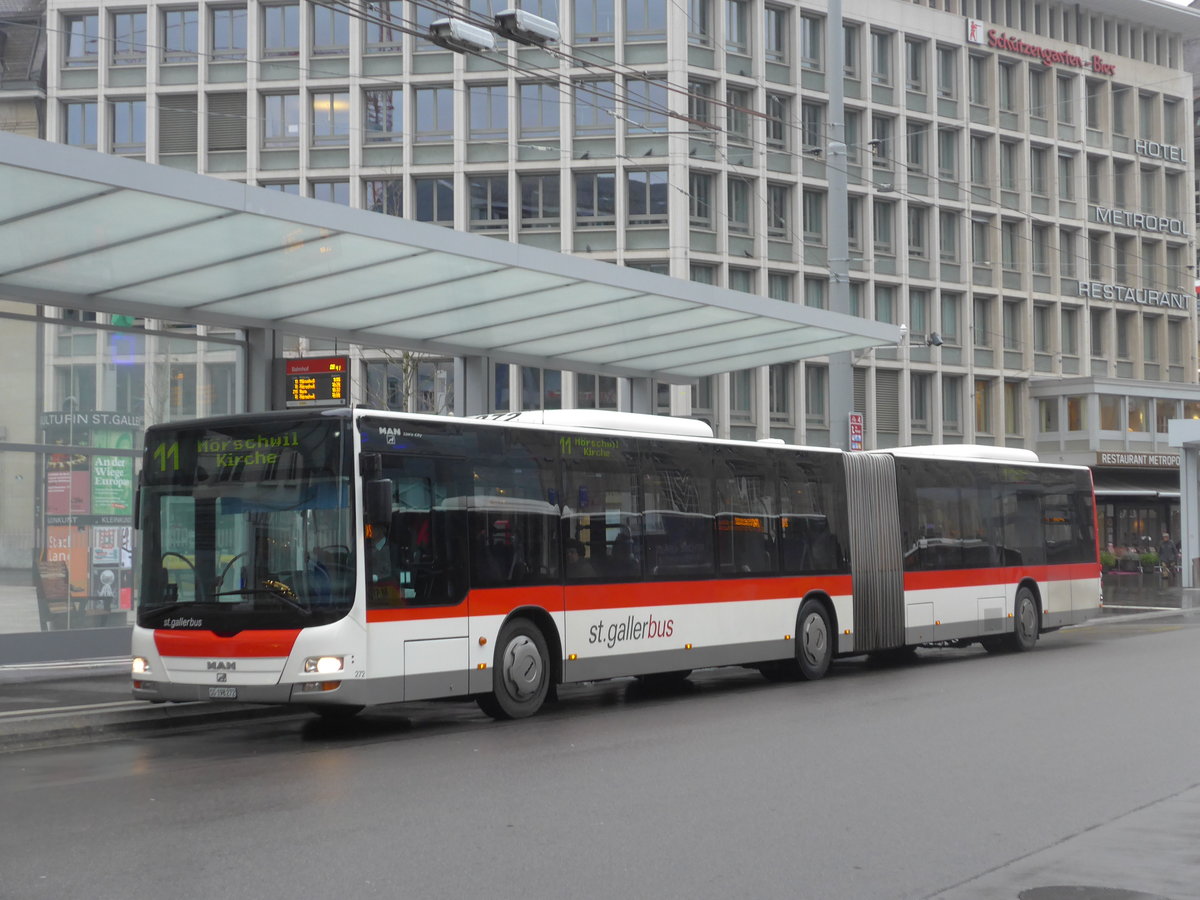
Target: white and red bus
x=342, y=558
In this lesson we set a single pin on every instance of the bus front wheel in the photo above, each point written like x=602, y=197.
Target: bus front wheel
x=520, y=672
x=1025, y=625
x=814, y=640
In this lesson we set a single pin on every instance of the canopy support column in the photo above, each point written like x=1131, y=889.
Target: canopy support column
x=635, y=395
x=1185, y=434
x=264, y=389
x=470, y=385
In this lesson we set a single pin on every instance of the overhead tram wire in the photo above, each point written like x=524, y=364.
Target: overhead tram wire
x=404, y=26
x=348, y=6
x=550, y=76
x=348, y=9
x=867, y=146
x=561, y=81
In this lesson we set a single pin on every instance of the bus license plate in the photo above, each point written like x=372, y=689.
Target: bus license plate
x=222, y=693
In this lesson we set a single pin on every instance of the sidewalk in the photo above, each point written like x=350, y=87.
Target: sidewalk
x=19, y=610
x=56, y=703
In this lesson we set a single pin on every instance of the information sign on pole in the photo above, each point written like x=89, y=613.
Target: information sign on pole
x=856, y=431
x=318, y=381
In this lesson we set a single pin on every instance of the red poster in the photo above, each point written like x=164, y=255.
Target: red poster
x=68, y=485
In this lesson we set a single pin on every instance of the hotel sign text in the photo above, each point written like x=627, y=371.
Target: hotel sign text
x=1155, y=150
x=1146, y=297
x=1123, y=218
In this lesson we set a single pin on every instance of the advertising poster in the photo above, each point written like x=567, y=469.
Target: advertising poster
x=105, y=588
x=112, y=562
x=70, y=544
x=106, y=546
x=112, y=476
x=68, y=485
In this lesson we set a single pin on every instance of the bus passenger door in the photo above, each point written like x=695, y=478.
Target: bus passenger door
x=416, y=580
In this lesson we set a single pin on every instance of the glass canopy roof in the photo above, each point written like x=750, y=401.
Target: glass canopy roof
x=86, y=230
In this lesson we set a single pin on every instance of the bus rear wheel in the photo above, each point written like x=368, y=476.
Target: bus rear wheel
x=1025, y=624
x=520, y=672
x=814, y=640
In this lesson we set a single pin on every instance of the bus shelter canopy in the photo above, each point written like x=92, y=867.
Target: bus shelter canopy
x=85, y=230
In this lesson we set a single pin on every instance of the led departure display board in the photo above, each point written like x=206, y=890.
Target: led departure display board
x=318, y=381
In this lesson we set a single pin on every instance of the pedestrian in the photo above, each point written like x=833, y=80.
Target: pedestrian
x=1168, y=554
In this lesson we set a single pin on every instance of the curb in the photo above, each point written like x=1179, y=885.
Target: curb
x=72, y=725
x=54, y=671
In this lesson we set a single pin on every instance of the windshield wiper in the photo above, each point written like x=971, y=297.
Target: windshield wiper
x=271, y=588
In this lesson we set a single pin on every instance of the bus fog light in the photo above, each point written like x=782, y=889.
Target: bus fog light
x=323, y=665
x=141, y=666
x=310, y=686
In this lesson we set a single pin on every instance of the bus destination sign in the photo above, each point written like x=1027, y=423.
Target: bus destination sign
x=317, y=381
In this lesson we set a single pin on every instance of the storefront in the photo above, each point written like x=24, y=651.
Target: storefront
x=1137, y=499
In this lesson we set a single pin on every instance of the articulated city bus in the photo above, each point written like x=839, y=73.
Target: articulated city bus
x=342, y=558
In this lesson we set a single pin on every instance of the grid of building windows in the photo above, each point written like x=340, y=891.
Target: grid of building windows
x=1024, y=220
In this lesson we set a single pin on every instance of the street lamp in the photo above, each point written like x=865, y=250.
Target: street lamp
x=526, y=28
x=455, y=34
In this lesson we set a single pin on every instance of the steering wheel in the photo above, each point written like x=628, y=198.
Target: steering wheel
x=225, y=569
x=190, y=564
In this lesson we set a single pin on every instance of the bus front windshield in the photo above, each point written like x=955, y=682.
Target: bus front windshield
x=247, y=525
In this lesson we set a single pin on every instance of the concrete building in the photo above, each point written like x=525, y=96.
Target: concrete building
x=1019, y=198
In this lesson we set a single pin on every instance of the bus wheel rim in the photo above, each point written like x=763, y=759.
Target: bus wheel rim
x=522, y=667
x=1027, y=620
x=815, y=639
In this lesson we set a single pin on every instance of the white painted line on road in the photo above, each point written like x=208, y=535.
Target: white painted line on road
x=115, y=706
x=1145, y=608
x=67, y=664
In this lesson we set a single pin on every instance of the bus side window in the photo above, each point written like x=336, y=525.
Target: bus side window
x=415, y=558
x=514, y=514
x=1022, y=512
x=602, y=509
x=811, y=515
x=746, y=514
x=678, y=530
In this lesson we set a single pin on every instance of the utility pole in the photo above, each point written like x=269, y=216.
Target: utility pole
x=841, y=366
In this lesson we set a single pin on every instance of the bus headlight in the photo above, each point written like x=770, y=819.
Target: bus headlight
x=324, y=665
x=141, y=666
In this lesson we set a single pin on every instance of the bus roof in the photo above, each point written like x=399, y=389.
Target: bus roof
x=966, y=452
x=606, y=420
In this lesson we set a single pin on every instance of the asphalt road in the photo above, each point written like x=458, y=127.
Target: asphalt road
x=963, y=777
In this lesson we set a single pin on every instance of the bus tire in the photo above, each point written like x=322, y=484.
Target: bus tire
x=520, y=672
x=1025, y=621
x=814, y=640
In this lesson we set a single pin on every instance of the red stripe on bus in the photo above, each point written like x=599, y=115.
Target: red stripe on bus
x=501, y=601
x=243, y=644
x=489, y=602
x=680, y=593
x=961, y=578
